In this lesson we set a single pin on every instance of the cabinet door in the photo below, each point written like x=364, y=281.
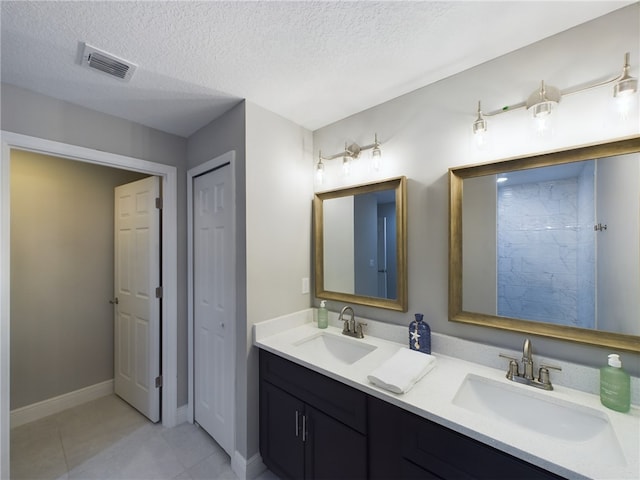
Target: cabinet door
x=385, y=440
x=281, y=422
x=333, y=450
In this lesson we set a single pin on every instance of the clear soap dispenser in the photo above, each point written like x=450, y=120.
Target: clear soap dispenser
x=615, y=385
x=323, y=315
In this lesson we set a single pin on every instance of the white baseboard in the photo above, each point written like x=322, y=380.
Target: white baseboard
x=39, y=410
x=247, y=469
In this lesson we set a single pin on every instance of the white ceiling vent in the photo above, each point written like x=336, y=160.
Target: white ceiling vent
x=104, y=62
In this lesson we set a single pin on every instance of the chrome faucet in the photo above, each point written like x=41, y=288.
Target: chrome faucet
x=349, y=326
x=526, y=377
x=527, y=360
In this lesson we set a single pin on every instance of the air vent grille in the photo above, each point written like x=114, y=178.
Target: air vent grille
x=107, y=63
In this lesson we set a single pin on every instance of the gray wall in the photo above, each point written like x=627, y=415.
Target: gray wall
x=29, y=113
x=279, y=194
x=426, y=132
x=61, y=275
x=224, y=134
x=273, y=192
x=24, y=111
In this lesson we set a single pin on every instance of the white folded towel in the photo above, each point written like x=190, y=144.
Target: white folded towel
x=400, y=373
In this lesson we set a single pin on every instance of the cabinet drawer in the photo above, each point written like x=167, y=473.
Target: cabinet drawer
x=337, y=400
x=449, y=454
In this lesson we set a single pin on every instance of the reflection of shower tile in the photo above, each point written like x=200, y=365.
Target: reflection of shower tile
x=539, y=243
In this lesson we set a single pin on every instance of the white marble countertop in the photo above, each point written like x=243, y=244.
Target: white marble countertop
x=432, y=398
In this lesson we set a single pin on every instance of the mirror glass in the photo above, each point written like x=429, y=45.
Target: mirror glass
x=550, y=244
x=360, y=244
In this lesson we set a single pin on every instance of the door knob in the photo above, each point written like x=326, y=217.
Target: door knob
x=114, y=301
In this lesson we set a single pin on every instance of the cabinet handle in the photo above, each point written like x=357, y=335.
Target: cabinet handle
x=304, y=428
x=297, y=427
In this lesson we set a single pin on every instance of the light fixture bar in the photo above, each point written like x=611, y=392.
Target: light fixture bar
x=620, y=80
x=350, y=152
x=353, y=150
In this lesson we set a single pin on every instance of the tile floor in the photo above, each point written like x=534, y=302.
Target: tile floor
x=107, y=439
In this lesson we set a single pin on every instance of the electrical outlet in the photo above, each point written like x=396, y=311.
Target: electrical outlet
x=305, y=285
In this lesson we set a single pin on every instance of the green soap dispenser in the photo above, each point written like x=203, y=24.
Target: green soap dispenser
x=615, y=385
x=323, y=315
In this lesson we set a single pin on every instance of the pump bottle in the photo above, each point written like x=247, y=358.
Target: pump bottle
x=323, y=315
x=615, y=385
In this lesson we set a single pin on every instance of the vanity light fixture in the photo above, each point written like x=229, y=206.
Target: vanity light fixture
x=350, y=153
x=320, y=169
x=346, y=161
x=624, y=89
x=544, y=100
x=376, y=154
x=479, y=127
x=626, y=84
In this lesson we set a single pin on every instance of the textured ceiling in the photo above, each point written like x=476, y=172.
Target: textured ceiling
x=311, y=62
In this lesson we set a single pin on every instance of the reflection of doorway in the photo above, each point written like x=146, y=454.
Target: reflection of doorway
x=168, y=175
x=374, y=244
x=383, y=267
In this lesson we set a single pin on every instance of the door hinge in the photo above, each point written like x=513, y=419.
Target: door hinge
x=159, y=381
x=159, y=203
x=158, y=292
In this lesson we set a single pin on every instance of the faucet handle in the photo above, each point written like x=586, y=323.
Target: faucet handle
x=345, y=327
x=359, y=332
x=550, y=366
x=543, y=374
x=513, y=370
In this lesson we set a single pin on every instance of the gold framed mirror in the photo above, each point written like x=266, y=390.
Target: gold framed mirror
x=360, y=236
x=556, y=251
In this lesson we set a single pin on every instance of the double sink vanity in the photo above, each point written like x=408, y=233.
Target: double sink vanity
x=462, y=420
x=513, y=266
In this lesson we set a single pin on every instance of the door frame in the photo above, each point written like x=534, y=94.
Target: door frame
x=217, y=162
x=169, y=236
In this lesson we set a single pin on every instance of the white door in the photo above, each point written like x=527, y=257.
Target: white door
x=214, y=305
x=137, y=311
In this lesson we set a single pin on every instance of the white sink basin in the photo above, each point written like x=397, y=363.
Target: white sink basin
x=525, y=407
x=343, y=349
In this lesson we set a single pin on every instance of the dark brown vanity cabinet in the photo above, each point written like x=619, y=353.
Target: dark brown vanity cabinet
x=311, y=426
x=405, y=445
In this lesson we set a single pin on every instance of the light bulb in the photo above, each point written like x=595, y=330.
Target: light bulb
x=624, y=90
x=542, y=116
x=346, y=165
x=320, y=173
x=376, y=158
x=624, y=96
x=623, y=106
x=479, y=128
x=480, y=137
